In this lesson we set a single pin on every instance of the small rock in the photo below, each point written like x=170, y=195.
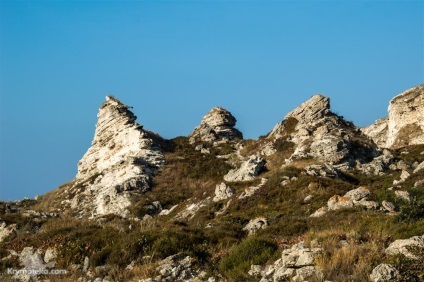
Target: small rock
x=358, y=194
x=255, y=270
x=222, y=192
x=337, y=202
x=383, y=273
x=256, y=224
x=405, y=175
x=307, y=199
x=388, y=206
x=404, y=195
x=419, y=167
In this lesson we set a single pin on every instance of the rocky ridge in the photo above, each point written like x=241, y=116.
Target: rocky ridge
x=316, y=193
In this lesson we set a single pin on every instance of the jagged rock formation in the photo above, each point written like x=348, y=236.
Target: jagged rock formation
x=319, y=133
x=295, y=264
x=217, y=125
x=122, y=159
x=248, y=170
x=405, y=124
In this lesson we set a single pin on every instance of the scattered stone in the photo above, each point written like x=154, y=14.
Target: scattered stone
x=295, y=264
x=419, y=183
x=6, y=230
x=256, y=224
x=222, y=192
x=355, y=197
x=176, y=268
x=384, y=272
x=324, y=170
x=319, y=212
x=404, y=195
x=419, y=167
x=247, y=171
x=252, y=189
x=50, y=255
x=388, y=206
x=405, y=174
x=307, y=199
x=405, y=247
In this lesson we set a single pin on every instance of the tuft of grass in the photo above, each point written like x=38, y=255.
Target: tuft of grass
x=252, y=250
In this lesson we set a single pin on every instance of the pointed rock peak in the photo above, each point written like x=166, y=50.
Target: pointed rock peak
x=316, y=131
x=314, y=108
x=217, y=124
x=122, y=158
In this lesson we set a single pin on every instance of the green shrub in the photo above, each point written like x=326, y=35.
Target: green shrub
x=252, y=250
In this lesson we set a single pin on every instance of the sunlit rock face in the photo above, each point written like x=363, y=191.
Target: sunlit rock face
x=319, y=133
x=405, y=122
x=217, y=125
x=120, y=161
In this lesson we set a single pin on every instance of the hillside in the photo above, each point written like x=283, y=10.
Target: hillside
x=316, y=199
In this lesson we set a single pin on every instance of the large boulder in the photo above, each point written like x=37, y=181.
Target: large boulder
x=406, y=247
x=217, y=125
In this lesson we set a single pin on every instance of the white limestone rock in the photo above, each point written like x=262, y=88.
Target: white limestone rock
x=256, y=224
x=217, y=125
x=405, y=123
x=248, y=170
x=319, y=133
x=383, y=273
x=404, y=247
x=121, y=161
x=222, y=192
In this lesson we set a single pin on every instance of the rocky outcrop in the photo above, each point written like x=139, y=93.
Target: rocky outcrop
x=222, y=192
x=355, y=197
x=248, y=170
x=317, y=132
x=383, y=273
x=378, y=131
x=120, y=161
x=406, y=247
x=295, y=264
x=217, y=125
x=405, y=122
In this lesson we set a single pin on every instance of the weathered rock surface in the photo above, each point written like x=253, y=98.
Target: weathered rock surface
x=256, y=224
x=248, y=170
x=319, y=133
x=295, y=264
x=250, y=191
x=405, y=123
x=384, y=272
x=405, y=247
x=217, y=125
x=378, y=131
x=6, y=230
x=120, y=161
x=222, y=192
x=355, y=197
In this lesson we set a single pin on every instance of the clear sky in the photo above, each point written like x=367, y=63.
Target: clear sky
x=175, y=60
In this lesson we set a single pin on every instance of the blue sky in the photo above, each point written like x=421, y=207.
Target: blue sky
x=175, y=60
